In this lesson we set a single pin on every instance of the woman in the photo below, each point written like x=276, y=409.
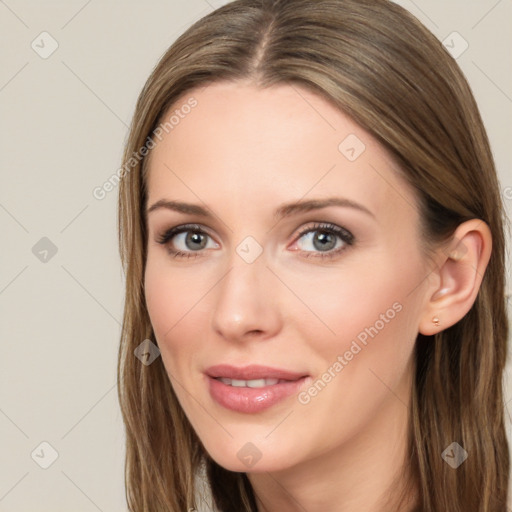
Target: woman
x=313, y=239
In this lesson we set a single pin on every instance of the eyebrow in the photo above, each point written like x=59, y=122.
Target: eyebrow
x=285, y=210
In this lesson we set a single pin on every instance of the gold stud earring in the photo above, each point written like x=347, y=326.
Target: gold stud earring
x=436, y=321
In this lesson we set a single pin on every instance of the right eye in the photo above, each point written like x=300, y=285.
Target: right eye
x=186, y=241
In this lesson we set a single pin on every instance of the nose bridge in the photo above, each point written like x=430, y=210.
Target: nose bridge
x=245, y=301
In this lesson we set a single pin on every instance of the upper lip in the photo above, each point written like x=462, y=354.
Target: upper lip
x=251, y=372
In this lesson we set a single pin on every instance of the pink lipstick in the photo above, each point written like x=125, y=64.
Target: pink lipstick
x=251, y=389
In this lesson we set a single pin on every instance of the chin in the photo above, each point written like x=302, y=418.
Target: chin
x=249, y=457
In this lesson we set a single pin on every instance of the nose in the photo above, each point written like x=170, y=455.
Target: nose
x=247, y=302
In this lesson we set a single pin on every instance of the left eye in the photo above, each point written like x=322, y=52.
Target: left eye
x=325, y=238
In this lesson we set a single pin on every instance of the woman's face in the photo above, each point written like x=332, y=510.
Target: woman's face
x=295, y=275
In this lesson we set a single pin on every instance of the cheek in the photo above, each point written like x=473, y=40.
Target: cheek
x=359, y=302
x=376, y=331
x=365, y=363
x=374, y=318
x=161, y=303
x=171, y=300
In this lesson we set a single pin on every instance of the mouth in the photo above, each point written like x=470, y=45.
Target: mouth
x=253, y=388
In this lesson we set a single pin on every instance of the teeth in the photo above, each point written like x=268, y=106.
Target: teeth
x=255, y=383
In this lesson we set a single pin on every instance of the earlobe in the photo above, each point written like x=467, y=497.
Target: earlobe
x=459, y=276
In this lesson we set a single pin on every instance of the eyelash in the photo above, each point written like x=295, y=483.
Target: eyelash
x=345, y=235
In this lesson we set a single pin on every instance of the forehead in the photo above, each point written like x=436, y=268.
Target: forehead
x=241, y=143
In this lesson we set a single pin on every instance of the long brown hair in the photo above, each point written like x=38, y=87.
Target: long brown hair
x=379, y=65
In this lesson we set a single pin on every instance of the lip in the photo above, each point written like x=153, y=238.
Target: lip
x=252, y=400
x=253, y=371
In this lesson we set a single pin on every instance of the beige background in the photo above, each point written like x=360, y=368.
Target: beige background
x=64, y=120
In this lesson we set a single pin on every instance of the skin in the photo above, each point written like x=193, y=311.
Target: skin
x=243, y=152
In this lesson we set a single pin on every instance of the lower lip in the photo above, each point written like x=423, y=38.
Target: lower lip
x=252, y=400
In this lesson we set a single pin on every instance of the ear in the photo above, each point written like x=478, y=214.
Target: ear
x=456, y=282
